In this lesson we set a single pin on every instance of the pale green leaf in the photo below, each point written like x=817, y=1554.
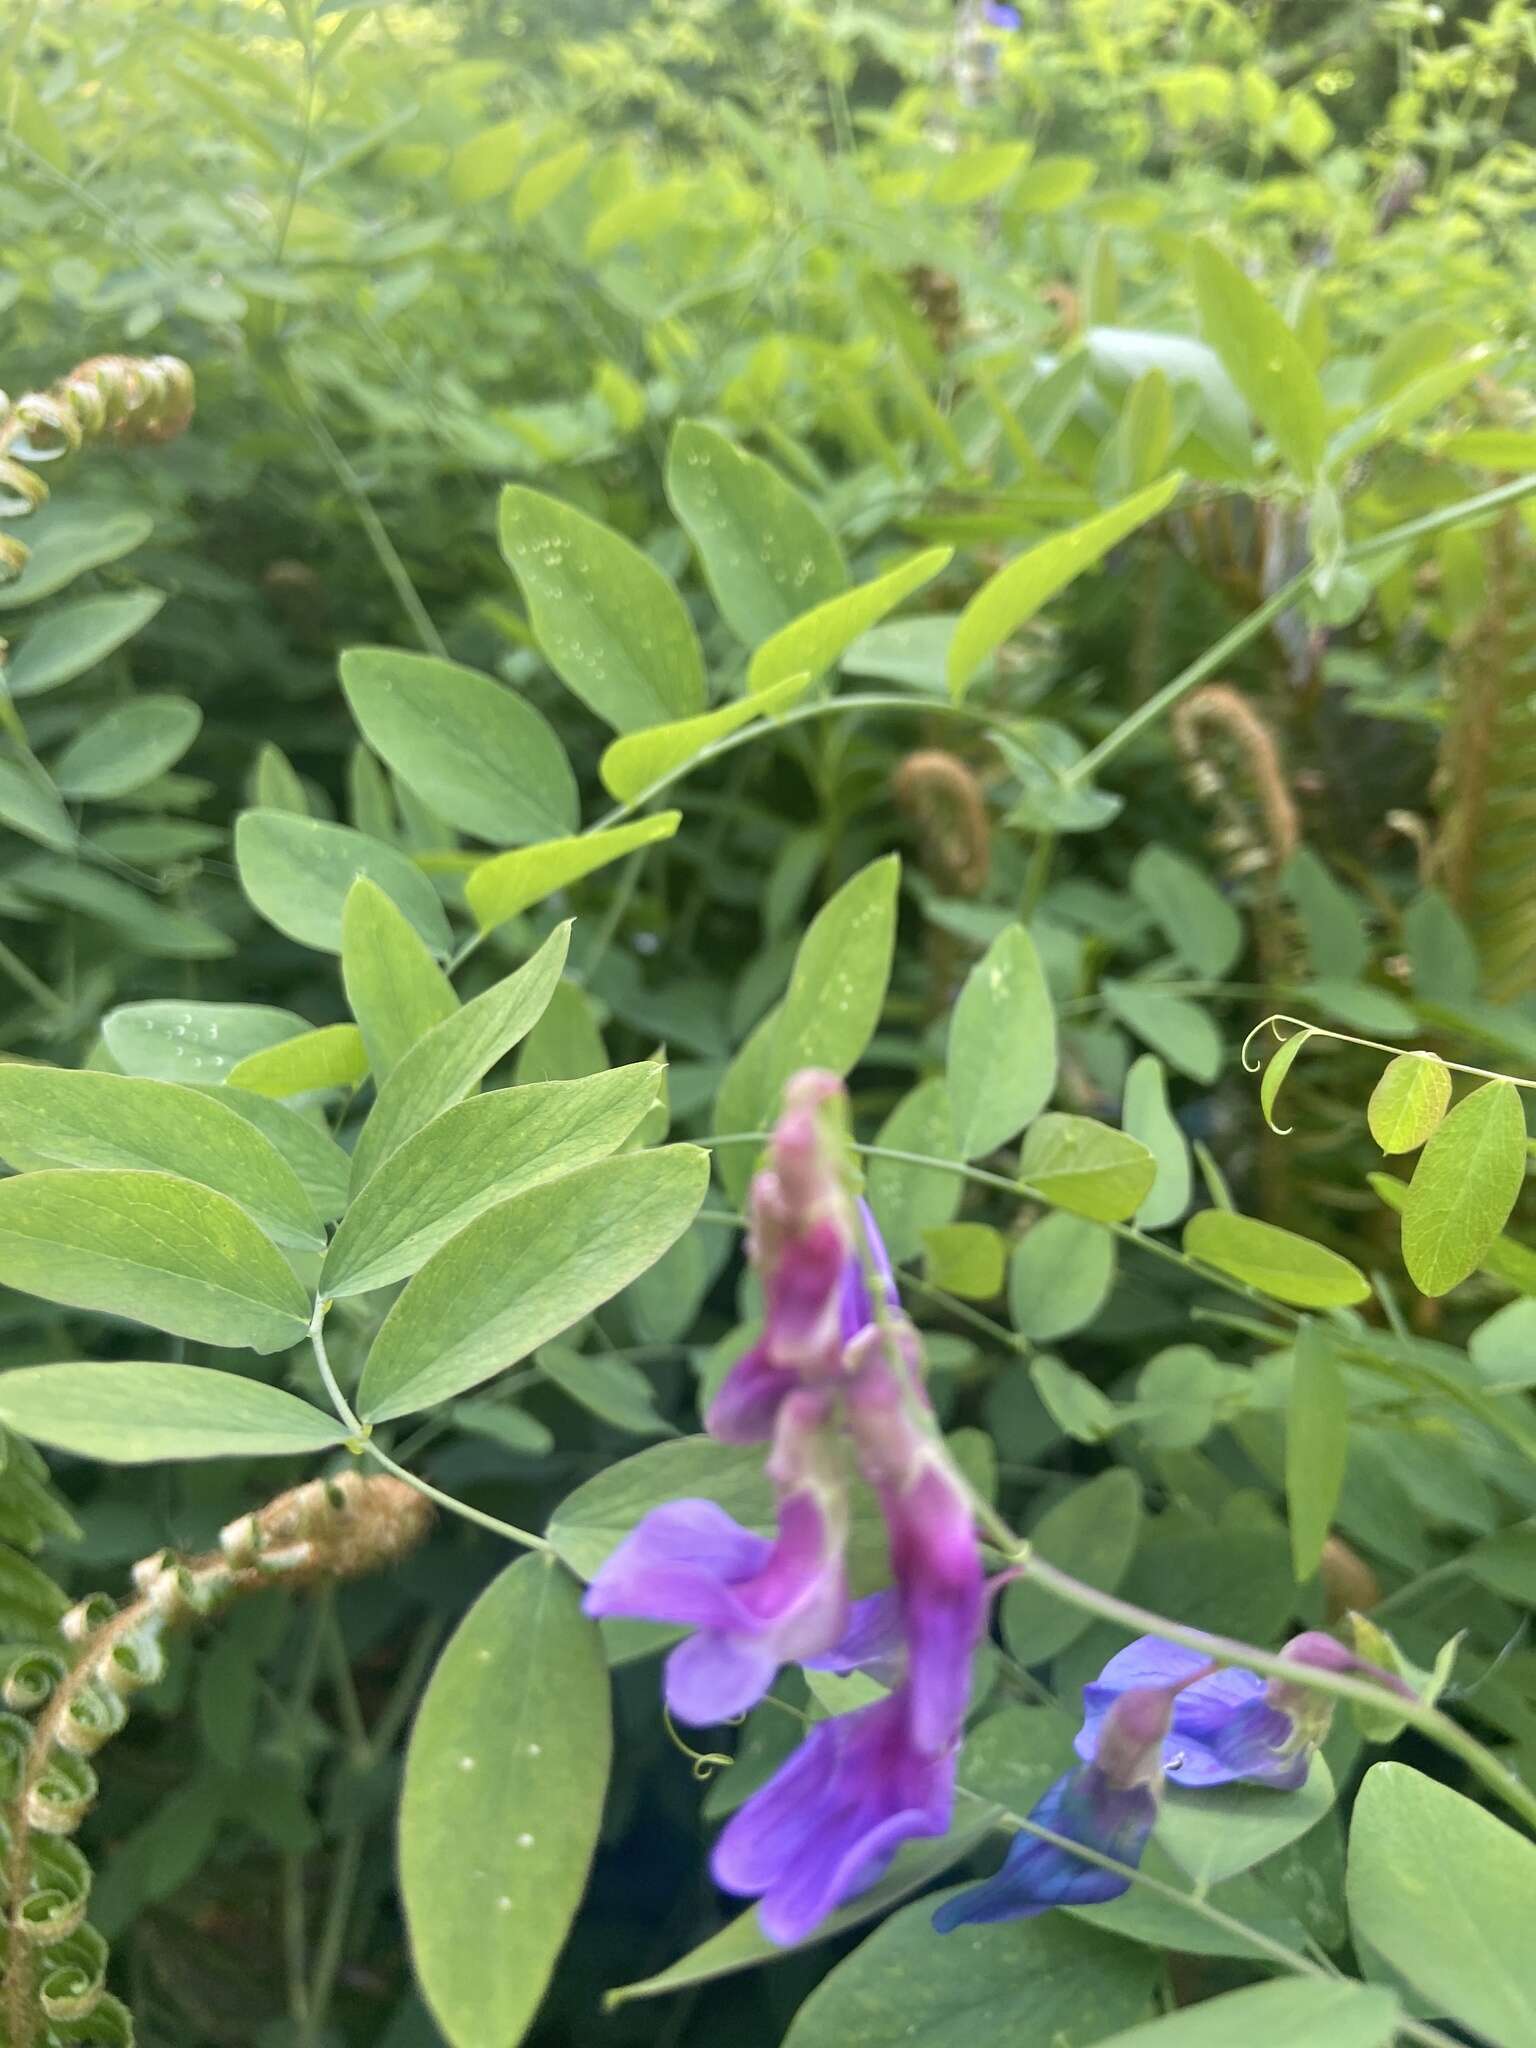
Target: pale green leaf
x=489, y=163
x=1092, y=1532
x=1002, y=1045
x=1316, y=1446
x=1409, y=1101
x=505, y=1776
x=127, y=747
x=636, y=762
x=967, y=1259
x=67, y=539
x=1195, y=917
x=455, y=1056
x=1171, y=1025
x=142, y=1413
x=1074, y=1163
x=1263, y=357
x=525, y=1270
x=332, y=1057
x=467, y=745
x=510, y=883
x=1019, y=589
x=1278, y=1066
x=153, y=1248
x=837, y=988
x=1277, y=1262
x=395, y=989
x=473, y=1156
x=297, y=872
x=608, y=621
x=1463, y=1188
x=1147, y=1118
x=1441, y=1889
x=814, y=642
x=1290, y=2012
x=541, y=186
x=766, y=552
x=1059, y=1276
x=51, y=1116
x=31, y=805
x=169, y=1041
x=909, y=1201
x=1078, y=1408
x=1067, y=1982
x=1216, y=1833
x=75, y=637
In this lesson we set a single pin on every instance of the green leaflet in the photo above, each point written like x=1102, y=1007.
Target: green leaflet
x=814, y=642
x=638, y=761
x=1290, y=2012
x=75, y=637
x=766, y=552
x=142, y=1413
x=525, y=1270
x=332, y=1057
x=609, y=623
x=127, y=747
x=395, y=989
x=456, y=1055
x=1277, y=1262
x=297, y=872
x=1059, y=1276
x=1093, y=1533
x=1462, y=1941
x=502, y=888
x=1263, y=357
x=54, y=1117
x=504, y=1782
x=1464, y=1187
x=466, y=745
x=1019, y=589
x=1316, y=1445
x=837, y=989
x=1002, y=1045
x=160, y=1250
x=473, y=1156
x=1408, y=1102
x=1074, y=1163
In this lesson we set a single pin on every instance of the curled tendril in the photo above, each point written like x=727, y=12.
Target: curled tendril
x=129, y=400
x=705, y=1763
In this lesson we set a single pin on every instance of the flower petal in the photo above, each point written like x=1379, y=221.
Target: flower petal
x=714, y=1676
x=679, y=1565
x=747, y=1401
x=1037, y=1874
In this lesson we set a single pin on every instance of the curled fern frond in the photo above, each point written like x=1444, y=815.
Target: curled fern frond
x=944, y=800
x=1233, y=764
x=63, y=1708
x=125, y=399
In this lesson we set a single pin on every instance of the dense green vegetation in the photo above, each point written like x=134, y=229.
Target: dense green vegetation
x=562, y=566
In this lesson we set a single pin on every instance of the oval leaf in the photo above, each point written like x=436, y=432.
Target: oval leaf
x=812, y=643
x=1277, y=1262
x=75, y=637
x=1263, y=358
x=1274, y=1078
x=524, y=1271
x=142, y=1413
x=1092, y=1533
x=466, y=745
x=609, y=623
x=127, y=747
x=192, y=1041
x=1002, y=1045
x=146, y=1245
x=509, y=884
x=1442, y=1890
x=1316, y=1446
x=395, y=989
x=504, y=1783
x=1060, y=1276
x=297, y=872
x=455, y=1056
x=1292, y=2012
x=639, y=761
x=1018, y=590
x=766, y=552
x=1146, y=1117
x=476, y=1155
x=1409, y=1101
x=837, y=987
x=1464, y=1187
x=332, y=1057
x=53, y=1117
x=1074, y=1163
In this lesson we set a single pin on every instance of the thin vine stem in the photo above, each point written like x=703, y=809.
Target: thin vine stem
x=1217, y=655
x=1254, y=1066
x=363, y=1445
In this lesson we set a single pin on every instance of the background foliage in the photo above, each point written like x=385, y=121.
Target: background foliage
x=591, y=348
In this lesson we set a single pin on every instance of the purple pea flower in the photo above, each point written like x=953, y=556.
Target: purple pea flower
x=827, y=1824
x=997, y=15
x=754, y=1604
x=1229, y=1724
x=1108, y=1805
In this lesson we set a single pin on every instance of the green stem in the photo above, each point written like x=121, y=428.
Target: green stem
x=1218, y=655
x=24, y=978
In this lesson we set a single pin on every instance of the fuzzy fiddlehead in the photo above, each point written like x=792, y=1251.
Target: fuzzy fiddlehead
x=61, y=1705
x=128, y=400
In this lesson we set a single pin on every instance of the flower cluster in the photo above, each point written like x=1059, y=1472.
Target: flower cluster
x=834, y=1383
x=1157, y=1712
x=836, y=1372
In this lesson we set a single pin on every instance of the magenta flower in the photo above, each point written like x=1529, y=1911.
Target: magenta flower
x=1108, y=1805
x=827, y=1824
x=754, y=1605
